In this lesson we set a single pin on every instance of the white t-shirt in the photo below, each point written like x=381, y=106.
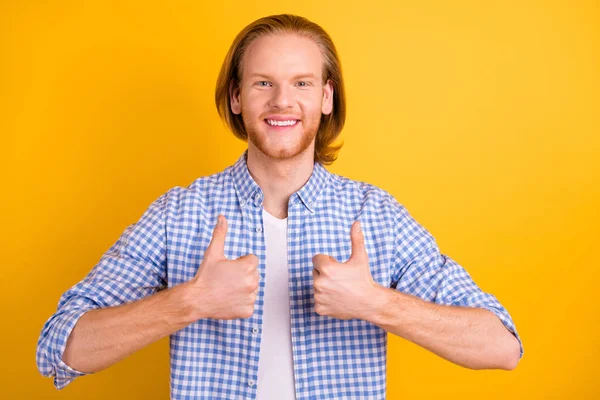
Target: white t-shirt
x=276, y=365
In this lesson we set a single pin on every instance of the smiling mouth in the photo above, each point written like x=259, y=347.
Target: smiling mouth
x=282, y=124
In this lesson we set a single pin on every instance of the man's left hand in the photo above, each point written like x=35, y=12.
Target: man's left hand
x=345, y=290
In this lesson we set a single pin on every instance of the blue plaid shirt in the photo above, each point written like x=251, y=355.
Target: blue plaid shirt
x=333, y=359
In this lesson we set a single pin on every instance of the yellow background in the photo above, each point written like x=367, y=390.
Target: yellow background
x=480, y=117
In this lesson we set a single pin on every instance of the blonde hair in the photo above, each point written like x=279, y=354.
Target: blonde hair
x=231, y=73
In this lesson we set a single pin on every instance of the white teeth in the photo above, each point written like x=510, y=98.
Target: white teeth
x=282, y=123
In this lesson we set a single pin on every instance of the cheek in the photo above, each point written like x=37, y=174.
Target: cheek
x=253, y=96
x=254, y=103
x=311, y=110
x=250, y=111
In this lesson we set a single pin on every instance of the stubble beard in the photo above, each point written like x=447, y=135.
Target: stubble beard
x=306, y=139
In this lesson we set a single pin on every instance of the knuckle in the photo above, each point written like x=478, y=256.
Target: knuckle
x=251, y=271
x=250, y=260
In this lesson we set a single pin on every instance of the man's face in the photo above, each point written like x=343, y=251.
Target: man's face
x=282, y=95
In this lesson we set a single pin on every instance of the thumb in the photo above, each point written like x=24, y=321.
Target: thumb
x=216, y=248
x=358, y=243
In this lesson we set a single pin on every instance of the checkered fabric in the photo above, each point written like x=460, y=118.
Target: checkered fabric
x=218, y=359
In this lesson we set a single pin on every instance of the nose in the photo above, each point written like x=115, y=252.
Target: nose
x=282, y=98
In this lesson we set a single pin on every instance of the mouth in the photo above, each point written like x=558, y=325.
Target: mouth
x=282, y=125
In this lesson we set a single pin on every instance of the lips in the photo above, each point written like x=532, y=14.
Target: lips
x=281, y=124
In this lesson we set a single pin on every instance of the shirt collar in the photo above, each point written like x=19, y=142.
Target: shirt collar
x=248, y=190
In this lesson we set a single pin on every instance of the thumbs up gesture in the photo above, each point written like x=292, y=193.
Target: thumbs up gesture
x=223, y=288
x=345, y=290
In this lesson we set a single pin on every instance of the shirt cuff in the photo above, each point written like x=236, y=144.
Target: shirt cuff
x=508, y=323
x=64, y=374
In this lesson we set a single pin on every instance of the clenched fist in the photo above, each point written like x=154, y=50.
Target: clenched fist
x=345, y=290
x=223, y=288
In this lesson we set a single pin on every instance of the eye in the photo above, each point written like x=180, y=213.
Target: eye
x=263, y=83
x=302, y=83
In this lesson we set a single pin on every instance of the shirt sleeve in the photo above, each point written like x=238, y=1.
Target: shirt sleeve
x=421, y=270
x=132, y=268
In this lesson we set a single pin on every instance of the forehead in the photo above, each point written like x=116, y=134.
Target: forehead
x=282, y=55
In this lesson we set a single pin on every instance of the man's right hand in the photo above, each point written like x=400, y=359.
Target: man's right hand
x=223, y=288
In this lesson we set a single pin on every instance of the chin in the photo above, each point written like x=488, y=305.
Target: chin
x=281, y=151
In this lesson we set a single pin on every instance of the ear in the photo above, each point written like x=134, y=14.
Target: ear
x=327, y=106
x=234, y=97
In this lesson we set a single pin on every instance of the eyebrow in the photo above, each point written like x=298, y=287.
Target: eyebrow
x=307, y=75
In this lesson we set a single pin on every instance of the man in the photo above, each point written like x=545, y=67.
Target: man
x=291, y=294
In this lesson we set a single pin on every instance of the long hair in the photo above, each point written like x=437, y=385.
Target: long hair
x=231, y=73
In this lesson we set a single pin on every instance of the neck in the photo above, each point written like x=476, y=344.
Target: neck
x=279, y=178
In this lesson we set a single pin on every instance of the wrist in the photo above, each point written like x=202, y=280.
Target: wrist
x=378, y=303
x=186, y=299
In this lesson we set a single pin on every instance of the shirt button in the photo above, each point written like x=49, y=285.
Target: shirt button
x=250, y=382
x=254, y=330
x=257, y=197
x=259, y=229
